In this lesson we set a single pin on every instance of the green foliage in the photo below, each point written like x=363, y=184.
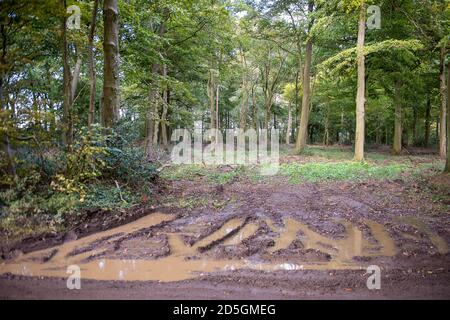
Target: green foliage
x=127, y=163
x=94, y=174
x=107, y=198
x=347, y=58
x=84, y=163
x=85, y=158
x=33, y=213
x=226, y=176
x=213, y=174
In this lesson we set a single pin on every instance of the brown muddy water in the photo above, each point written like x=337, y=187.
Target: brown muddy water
x=184, y=261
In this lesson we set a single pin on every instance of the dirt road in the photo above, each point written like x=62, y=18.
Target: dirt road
x=267, y=240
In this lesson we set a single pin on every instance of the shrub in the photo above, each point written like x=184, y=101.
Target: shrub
x=100, y=171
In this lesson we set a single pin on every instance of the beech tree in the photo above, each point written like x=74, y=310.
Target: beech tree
x=111, y=79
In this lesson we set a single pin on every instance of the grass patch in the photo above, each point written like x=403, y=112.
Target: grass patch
x=186, y=202
x=427, y=169
x=340, y=167
x=343, y=171
x=18, y=227
x=193, y=202
x=227, y=176
x=108, y=197
x=213, y=174
x=338, y=153
x=329, y=153
x=184, y=172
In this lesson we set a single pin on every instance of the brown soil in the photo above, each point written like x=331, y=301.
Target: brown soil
x=269, y=240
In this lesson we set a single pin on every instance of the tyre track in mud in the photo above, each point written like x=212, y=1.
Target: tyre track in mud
x=240, y=245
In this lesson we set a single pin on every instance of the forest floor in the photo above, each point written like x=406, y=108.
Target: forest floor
x=226, y=232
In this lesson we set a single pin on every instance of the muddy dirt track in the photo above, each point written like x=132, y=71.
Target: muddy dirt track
x=267, y=240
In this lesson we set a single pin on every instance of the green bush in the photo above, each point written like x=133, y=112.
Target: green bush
x=128, y=164
x=100, y=171
x=107, y=197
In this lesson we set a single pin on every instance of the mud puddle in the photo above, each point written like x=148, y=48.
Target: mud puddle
x=439, y=243
x=185, y=261
x=342, y=251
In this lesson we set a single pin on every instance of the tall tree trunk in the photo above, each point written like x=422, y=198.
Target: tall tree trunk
x=326, y=135
x=378, y=136
x=360, y=96
x=397, y=147
x=217, y=112
x=386, y=136
x=67, y=126
x=111, y=62
x=443, y=110
x=438, y=124
x=245, y=98
x=164, y=137
x=414, y=125
x=211, y=90
x=50, y=106
x=304, y=120
x=75, y=78
x=254, y=110
x=157, y=121
x=447, y=165
x=4, y=138
x=157, y=86
x=298, y=79
x=151, y=115
x=166, y=95
x=92, y=76
x=427, y=121
x=289, y=125
x=267, y=114
x=341, y=136
x=3, y=63
x=266, y=88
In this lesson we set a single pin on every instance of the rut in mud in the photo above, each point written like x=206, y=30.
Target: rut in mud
x=282, y=232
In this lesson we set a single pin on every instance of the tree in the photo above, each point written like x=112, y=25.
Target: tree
x=398, y=127
x=182, y=61
x=91, y=63
x=361, y=89
x=303, y=129
x=431, y=23
x=447, y=165
x=111, y=63
x=67, y=136
x=443, y=109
